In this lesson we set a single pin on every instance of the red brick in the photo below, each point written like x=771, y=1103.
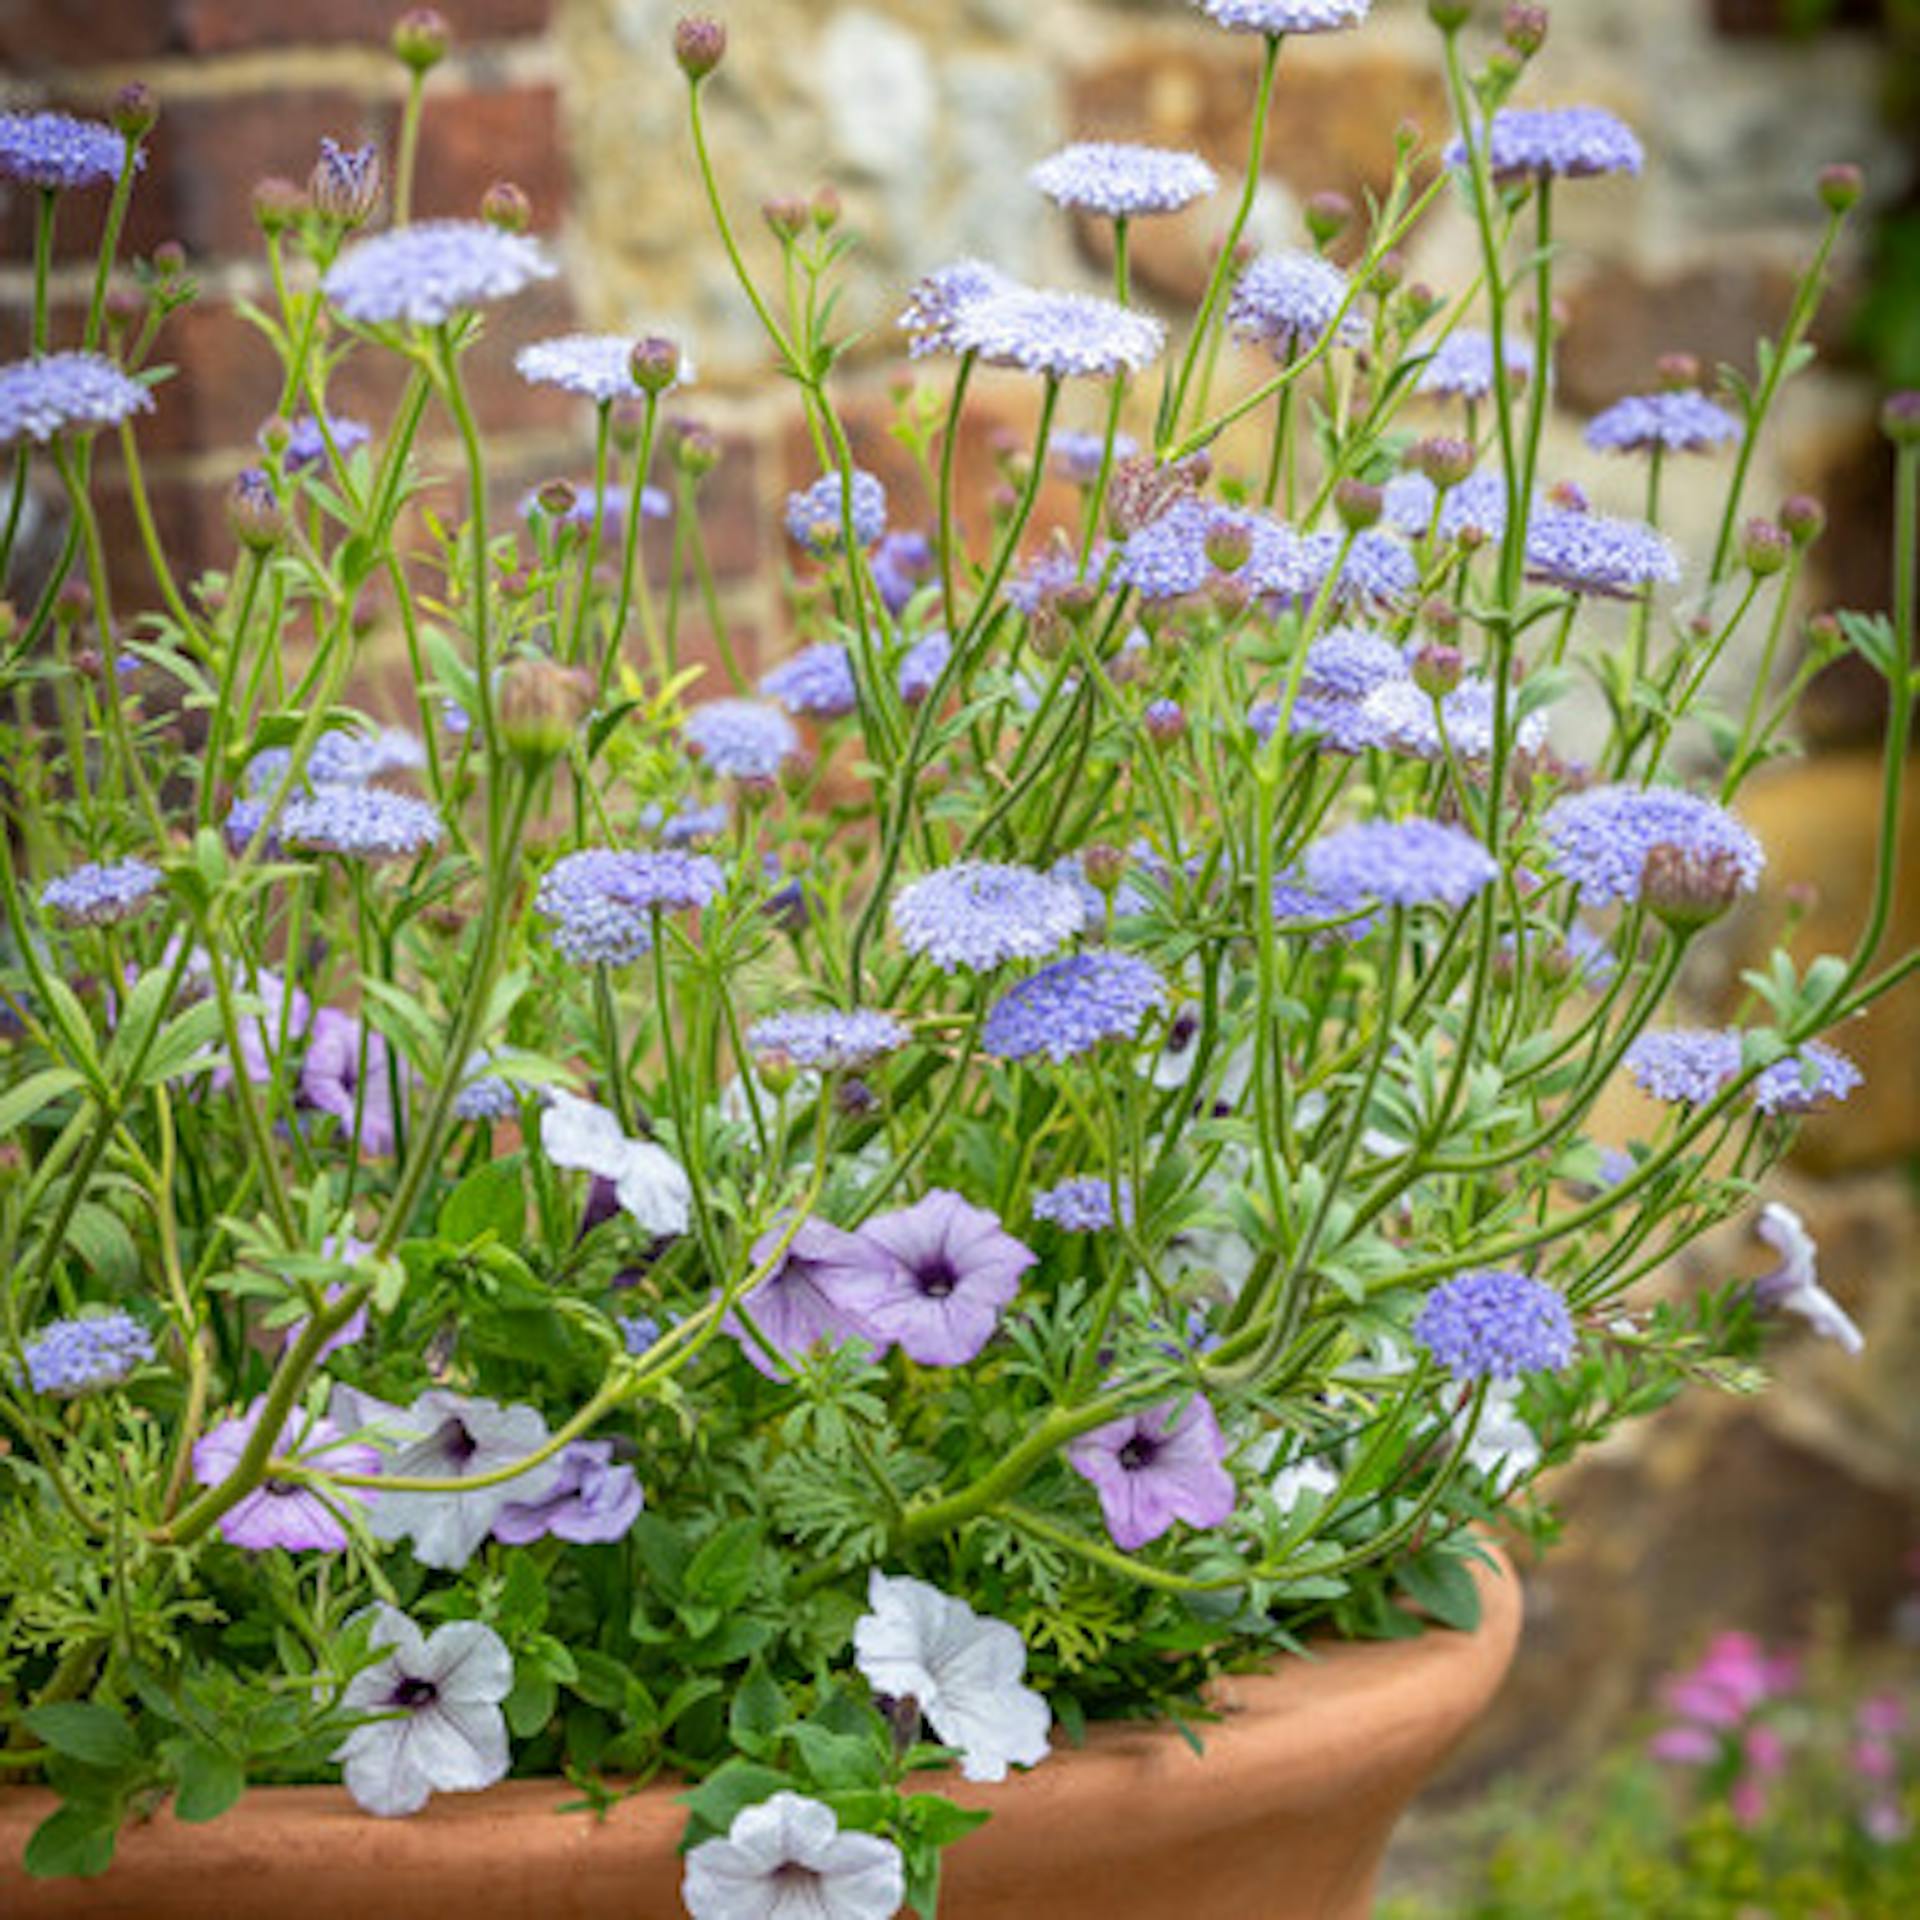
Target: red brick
x=473, y=138
x=225, y=26
x=38, y=34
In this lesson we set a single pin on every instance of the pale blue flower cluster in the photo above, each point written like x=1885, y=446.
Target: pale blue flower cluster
x=101, y=895
x=1073, y=1006
x=827, y=1040
x=82, y=1355
x=1123, y=181
x=977, y=916
x=1496, y=1325
x=422, y=275
x=58, y=153
x=66, y=393
x=1601, y=838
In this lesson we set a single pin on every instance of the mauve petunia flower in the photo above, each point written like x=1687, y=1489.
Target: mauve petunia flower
x=440, y=1728
x=285, y=1513
x=593, y=1500
x=954, y=1270
x=1155, y=1467
x=330, y=1080
x=802, y=1303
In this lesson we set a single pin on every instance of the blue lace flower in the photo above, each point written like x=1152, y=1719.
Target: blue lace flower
x=78, y=1356
x=363, y=823
x=1123, y=181
x=1287, y=301
x=306, y=448
x=978, y=916
x=1400, y=863
x=1061, y=335
x=1496, y=1325
x=66, y=393
x=936, y=303
x=1084, y=1205
x=1285, y=16
x=817, y=680
x=58, y=153
x=602, y=900
x=96, y=895
x=597, y=366
x=1571, y=143
x=1686, y=1066
x=828, y=1040
x=741, y=739
x=1680, y=422
x=1461, y=366
x=1077, y=456
x=1073, y=1006
x=426, y=273
x=1815, y=1076
x=1401, y=717
x=1592, y=553
x=922, y=665
x=1477, y=505
x=814, y=515
x=1601, y=838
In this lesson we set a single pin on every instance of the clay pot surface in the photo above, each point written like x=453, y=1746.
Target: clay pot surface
x=1285, y=1817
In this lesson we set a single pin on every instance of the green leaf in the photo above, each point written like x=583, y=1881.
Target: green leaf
x=100, y=1237
x=84, y=1730
x=210, y=1782
x=531, y=1703
x=74, y=1842
x=837, y=1762
x=492, y=1200
x=34, y=1094
x=757, y=1712
x=721, y=1573
x=1444, y=1587
x=523, y=1600
x=602, y=1681
x=730, y=1790
x=939, y=1822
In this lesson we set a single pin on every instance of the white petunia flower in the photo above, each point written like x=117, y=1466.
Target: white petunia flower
x=441, y=1730
x=963, y=1672
x=1794, y=1286
x=787, y=1859
x=650, y=1183
x=448, y=1436
x=1503, y=1448
x=1304, y=1480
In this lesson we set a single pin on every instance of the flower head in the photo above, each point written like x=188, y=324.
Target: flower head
x=439, y=1727
x=82, y=1355
x=1794, y=1285
x=649, y=1184
x=1398, y=715
x=1123, y=181
x=953, y=1270
x=1288, y=300
x=1570, y=143
x=1686, y=1066
x=306, y=448
x=286, y=1513
x=1601, y=838
x=978, y=916
x=592, y=1500
x=1811, y=1078
x=597, y=366
x=1174, y=554
x=1075, y=1005
x=426, y=273
x=1285, y=16
x=1493, y=1324
x=1682, y=421
x=59, y=153
x=817, y=680
x=66, y=393
x=1156, y=1467
x=786, y=1859
x=964, y=1672
x=1061, y=335
x=826, y=1040
x=1405, y=863
x=1461, y=366
x=602, y=900
x=102, y=896
x=363, y=823
x=1593, y=553
x=1077, y=456
x=806, y=1301
x=741, y=739
x=922, y=665
x=1084, y=1205
x=936, y=303
x=816, y=517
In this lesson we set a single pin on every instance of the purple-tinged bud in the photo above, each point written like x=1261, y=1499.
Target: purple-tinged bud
x=1569, y=496
x=1437, y=669
x=1470, y=538
x=1104, y=865
x=541, y=706
x=1688, y=890
x=1417, y=306
x=345, y=183
x=786, y=216
x=1441, y=618
x=169, y=260
x=699, y=44
x=556, y=498
x=89, y=663
x=826, y=209
x=1765, y=548
x=1524, y=28
x=854, y=1098
x=777, y=1071
x=1900, y=419
x=1078, y=601
x=1046, y=632
x=276, y=434
x=1358, y=505
x=1841, y=187
x=134, y=110
x=654, y=363
x=1229, y=545
x=1804, y=519
x=1800, y=897
x=506, y=206
x=1826, y=637
x=1678, y=373
x=1445, y=460
x=695, y=448
x=254, y=517
x=124, y=308
x=72, y=604
x=1165, y=722
x=1328, y=216
x=1388, y=273
x=1229, y=594
x=421, y=38
x=277, y=203
x=1449, y=15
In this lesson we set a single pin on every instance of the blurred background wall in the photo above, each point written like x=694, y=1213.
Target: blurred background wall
x=926, y=115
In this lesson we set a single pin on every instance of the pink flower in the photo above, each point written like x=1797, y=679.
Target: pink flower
x=1684, y=1746
x=1153, y=1468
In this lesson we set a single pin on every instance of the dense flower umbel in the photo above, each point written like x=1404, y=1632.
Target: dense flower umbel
x=1593, y=553
x=59, y=153
x=1083, y=1205
x=1124, y=181
x=815, y=516
x=66, y=393
x=1678, y=422
x=741, y=739
x=85, y=1354
x=1461, y=366
x=1601, y=838
x=1569, y=142
x=1687, y=1066
x=101, y=896
x=1285, y=16
x=817, y=681
x=1407, y=863
x=423, y=275
x=365, y=823
x=1496, y=1325
x=978, y=916
x=597, y=366
x=1155, y=1468
x=1061, y=335
x=1073, y=1006
x=1816, y=1076
x=934, y=306
x=828, y=1041
x=1288, y=300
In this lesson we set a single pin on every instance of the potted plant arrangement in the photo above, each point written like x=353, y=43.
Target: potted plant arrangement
x=803, y=1266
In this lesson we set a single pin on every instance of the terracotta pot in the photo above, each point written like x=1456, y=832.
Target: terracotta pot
x=1284, y=1818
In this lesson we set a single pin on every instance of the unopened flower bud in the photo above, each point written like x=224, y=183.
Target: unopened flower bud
x=854, y=1098
x=1449, y=15
x=169, y=260
x=1804, y=519
x=277, y=203
x=1437, y=669
x=1389, y=271
x=1417, y=306
x=1077, y=601
x=1765, y=548
x=778, y=1071
x=1359, y=505
x=1688, y=890
x=421, y=38
x=1524, y=28
x=1678, y=372
x=1841, y=187
x=556, y=498
x=541, y=706
x=1104, y=865
x=1826, y=637
x=1328, y=216
x=1229, y=545
x=1046, y=632
x=1470, y=538
x=123, y=309
x=135, y=109
x=696, y=449
x=1900, y=419
x=699, y=44
x=826, y=209
x=506, y=206
x=1503, y=70
x=254, y=517
x=1165, y=721
x=654, y=363
x=1441, y=618
x=1445, y=460
x=72, y=604
x=345, y=183
x=786, y=216
x=1569, y=496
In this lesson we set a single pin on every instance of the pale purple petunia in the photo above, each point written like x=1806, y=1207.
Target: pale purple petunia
x=1123, y=181
x=292, y=1514
x=56, y=393
x=330, y=1080
x=1073, y=1006
x=1156, y=1467
x=954, y=1269
x=426, y=273
x=595, y=1499
x=806, y=1302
